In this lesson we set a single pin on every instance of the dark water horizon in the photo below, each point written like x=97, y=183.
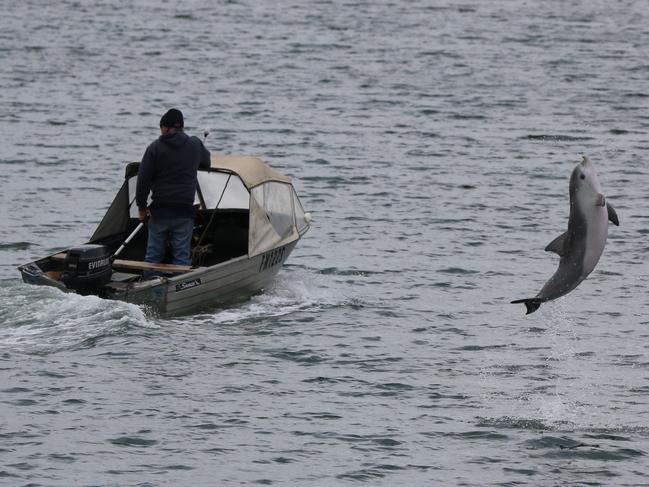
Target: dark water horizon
x=433, y=143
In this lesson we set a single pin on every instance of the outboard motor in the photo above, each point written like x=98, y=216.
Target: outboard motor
x=87, y=268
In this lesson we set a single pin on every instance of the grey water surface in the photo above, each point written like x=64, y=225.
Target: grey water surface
x=433, y=142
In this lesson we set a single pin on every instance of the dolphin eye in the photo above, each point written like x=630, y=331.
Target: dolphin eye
x=583, y=176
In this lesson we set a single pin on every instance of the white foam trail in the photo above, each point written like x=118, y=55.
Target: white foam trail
x=288, y=294
x=46, y=317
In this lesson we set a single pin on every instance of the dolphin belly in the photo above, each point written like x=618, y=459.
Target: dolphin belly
x=596, y=235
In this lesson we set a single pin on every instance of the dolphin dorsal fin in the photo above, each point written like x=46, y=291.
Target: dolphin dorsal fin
x=558, y=244
x=612, y=216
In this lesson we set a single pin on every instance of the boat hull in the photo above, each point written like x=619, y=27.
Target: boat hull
x=204, y=287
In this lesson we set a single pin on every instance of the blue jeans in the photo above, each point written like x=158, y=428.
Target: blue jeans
x=177, y=231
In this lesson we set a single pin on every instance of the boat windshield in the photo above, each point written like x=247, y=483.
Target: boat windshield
x=218, y=188
x=213, y=184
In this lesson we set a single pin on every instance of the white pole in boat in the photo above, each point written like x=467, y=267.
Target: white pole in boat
x=128, y=239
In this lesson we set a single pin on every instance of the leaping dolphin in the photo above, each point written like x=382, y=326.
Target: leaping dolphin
x=581, y=246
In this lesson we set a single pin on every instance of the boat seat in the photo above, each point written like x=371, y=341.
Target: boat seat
x=141, y=266
x=150, y=266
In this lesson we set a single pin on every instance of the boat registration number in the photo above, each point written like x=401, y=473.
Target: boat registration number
x=272, y=258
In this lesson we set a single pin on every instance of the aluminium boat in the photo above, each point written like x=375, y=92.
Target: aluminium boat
x=248, y=221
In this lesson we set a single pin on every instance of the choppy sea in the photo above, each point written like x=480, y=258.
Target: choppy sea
x=433, y=142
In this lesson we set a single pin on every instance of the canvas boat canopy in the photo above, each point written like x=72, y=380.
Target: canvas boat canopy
x=234, y=182
x=251, y=170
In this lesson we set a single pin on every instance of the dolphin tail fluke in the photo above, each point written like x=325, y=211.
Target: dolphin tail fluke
x=532, y=304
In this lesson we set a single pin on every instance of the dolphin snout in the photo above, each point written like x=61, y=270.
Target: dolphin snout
x=586, y=162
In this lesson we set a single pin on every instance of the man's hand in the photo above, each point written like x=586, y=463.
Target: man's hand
x=143, y=214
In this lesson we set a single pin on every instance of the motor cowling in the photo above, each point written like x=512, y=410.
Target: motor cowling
x=87, y=267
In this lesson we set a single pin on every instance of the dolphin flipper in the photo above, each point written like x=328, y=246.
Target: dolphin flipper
x=558, y=245
x=612, y=216
x=532, y=304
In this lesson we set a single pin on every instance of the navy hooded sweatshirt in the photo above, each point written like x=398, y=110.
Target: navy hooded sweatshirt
x=168, y=170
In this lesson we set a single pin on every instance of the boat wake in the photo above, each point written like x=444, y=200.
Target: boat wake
x=40, y=319
x=291, y=292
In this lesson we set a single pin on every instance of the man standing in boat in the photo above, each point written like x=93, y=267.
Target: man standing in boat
x=169, y=172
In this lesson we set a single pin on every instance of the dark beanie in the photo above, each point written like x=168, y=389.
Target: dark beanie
x=173, y=119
